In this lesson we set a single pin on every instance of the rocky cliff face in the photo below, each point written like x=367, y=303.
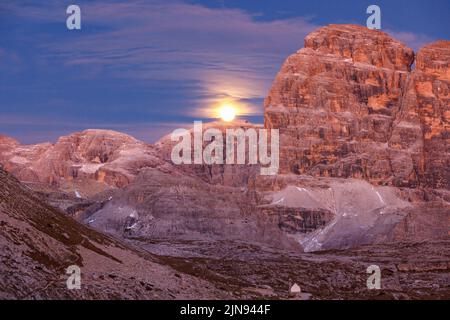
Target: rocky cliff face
x=159, y=205
x=420, y=139
x=348, y=105
x=7, y=143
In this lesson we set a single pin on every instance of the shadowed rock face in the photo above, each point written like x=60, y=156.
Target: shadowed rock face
x=347, y=105
x=298, y=220
x=330, y=213
x=7, y=143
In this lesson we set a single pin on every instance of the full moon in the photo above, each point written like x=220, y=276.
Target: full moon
x=227, y=113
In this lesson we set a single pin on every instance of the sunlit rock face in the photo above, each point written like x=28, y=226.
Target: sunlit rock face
x=158, y=205
x=348, y=105
x=420, y=138
x=364, y=158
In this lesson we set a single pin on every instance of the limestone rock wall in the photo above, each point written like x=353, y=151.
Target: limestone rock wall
x=348, y=105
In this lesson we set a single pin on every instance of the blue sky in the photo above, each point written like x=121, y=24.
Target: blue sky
x=147, y=67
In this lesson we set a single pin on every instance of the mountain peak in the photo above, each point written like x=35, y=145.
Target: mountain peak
x=362, y=45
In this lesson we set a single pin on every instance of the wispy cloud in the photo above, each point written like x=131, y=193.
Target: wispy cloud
x=138, y=66
x=225, y=52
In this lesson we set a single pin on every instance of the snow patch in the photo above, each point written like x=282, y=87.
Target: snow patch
x=90, y=168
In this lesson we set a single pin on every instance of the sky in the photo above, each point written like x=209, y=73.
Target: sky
x=148, y=67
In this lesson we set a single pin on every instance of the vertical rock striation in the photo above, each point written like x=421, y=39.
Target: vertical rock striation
x=348, y=105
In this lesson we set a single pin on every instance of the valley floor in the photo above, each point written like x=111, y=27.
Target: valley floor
x=409, y=270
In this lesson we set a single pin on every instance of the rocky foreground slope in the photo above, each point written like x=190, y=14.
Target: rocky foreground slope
x=38, y=243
